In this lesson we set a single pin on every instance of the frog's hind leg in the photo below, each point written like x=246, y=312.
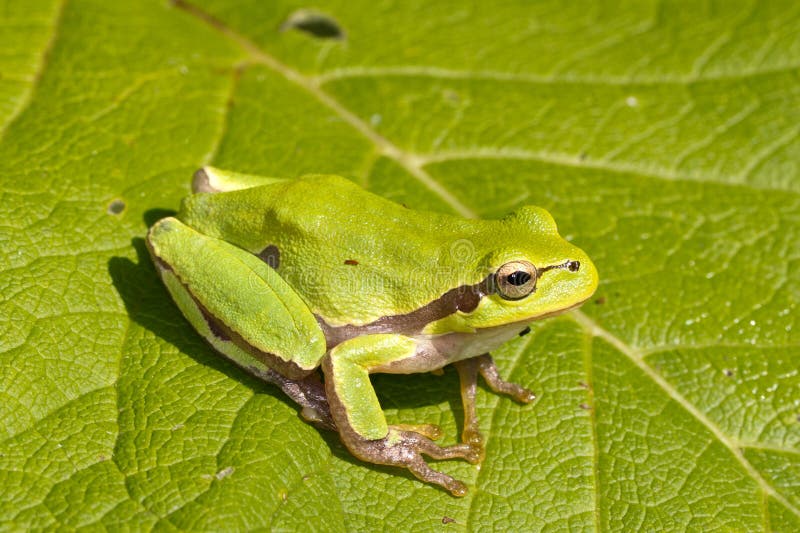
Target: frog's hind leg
x=360, y=420
x=307, y=392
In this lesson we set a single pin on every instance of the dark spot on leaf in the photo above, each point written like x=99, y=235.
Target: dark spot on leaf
x=728, y=372
x=116, y=207
x=271, y=256
x=525, y=331
x=600, y=301
x=447, y=520
x=585, y=406
x=352, y=262
x=582, y=156
x=314, y=23
x=583, y=385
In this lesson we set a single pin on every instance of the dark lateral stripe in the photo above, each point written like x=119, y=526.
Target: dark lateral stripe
x=224, y=333
x=464, y=298
x=213, y=325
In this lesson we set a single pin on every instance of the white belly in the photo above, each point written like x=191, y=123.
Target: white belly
x=436, y=351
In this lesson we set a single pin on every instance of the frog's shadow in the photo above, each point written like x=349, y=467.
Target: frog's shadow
x=148, y=303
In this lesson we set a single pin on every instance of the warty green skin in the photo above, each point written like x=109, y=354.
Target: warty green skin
x=285, y=276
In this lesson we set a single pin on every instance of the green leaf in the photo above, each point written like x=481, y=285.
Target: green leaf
x=662, y=135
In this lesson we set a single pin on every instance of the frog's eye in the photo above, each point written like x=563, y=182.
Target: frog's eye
x=516, y=280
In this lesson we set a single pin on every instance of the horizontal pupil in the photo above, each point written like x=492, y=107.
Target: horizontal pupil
x=519, y=278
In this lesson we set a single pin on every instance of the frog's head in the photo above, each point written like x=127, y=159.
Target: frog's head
x=528, y=271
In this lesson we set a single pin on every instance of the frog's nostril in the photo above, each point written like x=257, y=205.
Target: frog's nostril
x=573, y=266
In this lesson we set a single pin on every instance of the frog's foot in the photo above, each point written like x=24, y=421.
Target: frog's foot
x=492, y=377
x=405, y=449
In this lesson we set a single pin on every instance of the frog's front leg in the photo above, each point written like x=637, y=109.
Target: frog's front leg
x=468, y=374
x=359, y=417
x=491, y=375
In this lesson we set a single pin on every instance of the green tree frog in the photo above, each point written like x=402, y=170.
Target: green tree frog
x=291, y=279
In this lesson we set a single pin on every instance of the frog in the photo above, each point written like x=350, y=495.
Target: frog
x=314, y=283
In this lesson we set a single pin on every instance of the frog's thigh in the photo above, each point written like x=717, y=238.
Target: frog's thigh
x=308, y=392
x=236, y=301
x=350, y=392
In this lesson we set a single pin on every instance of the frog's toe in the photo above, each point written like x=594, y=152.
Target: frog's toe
x=474, y=439
x=425, y=473
x=456, y=451
x=411, y=445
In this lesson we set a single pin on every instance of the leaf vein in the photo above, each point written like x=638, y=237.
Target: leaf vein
x=343, y=73
x=27, y=97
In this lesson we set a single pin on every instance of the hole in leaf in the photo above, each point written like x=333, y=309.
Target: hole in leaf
x=116, y=207
x=314, y=23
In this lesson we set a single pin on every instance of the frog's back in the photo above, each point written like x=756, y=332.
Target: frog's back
x=353, y=256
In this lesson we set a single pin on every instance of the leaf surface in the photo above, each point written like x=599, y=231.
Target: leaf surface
x=662, y=135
